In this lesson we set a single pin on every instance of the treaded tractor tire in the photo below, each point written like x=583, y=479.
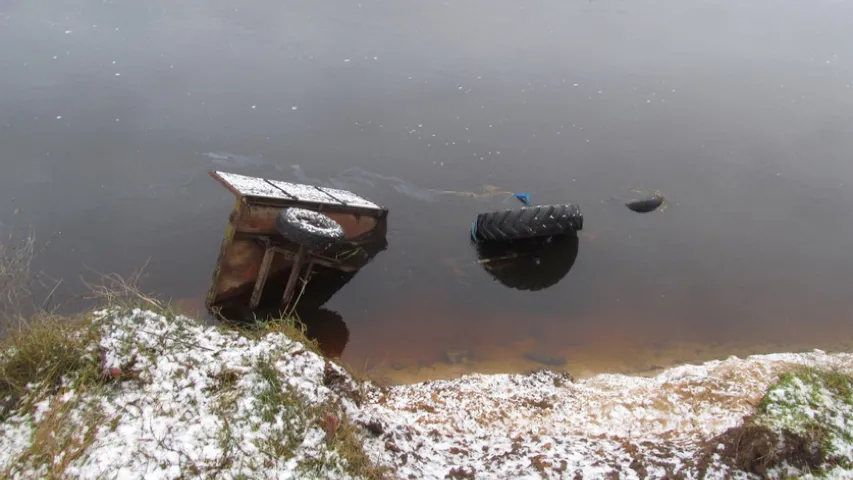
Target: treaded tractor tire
x=527, y=222
x=308, y=228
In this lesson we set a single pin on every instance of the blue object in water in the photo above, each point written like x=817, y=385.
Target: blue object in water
x=474, y=231
x=524, y=197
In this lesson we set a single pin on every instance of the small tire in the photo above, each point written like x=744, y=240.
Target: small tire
x=308, y=228
x=529, y=222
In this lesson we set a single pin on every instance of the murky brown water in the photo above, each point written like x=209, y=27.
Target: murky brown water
x=740, y=112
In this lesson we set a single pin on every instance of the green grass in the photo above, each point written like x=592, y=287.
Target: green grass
x=798, y=406
x=836, y=381
x=39, y=355
x=42, y=359
x=58, y=439
x=295, y=330
x=289, y=327
x=348, y=442
x=276, y=401
x=47, y=356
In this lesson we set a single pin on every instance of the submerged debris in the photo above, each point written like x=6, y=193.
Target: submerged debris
x=545, y=358
x=649, y=202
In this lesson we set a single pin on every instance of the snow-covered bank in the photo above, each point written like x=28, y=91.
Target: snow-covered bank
x=181, y=399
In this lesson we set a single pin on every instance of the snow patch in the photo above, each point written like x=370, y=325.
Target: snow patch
x=196, y=400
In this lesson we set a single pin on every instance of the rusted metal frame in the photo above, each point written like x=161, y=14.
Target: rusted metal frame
x=263, y=274
x=289, y=254
x=318, y=206
x=297, y=260
x=227, y=240
x=290, y=304
x=294, y=275
x=323, y=261
x=243, y=203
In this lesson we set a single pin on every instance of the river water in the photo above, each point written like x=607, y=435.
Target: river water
x=739, y=112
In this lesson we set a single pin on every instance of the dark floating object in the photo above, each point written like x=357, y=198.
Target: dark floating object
x=650, y=202
x=540, y=221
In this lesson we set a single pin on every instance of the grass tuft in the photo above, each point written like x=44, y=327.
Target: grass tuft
x=16, y=279
x=290, y=418
x=44, y=354
x=349, y=444
x=834, y=380
x=289, y=327
x=281, y=409
x=810, y=408
x=53, y=381
x=61, y=437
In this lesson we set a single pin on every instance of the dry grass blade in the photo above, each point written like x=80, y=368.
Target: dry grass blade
x=18, y=283
x=117, y=290
x=290, y=309
x=58, y=440
x=39, y=353
x=347, y=441
x=15, y=273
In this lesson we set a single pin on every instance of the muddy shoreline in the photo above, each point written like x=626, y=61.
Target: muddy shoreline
x=525, y=355
x=266, y=405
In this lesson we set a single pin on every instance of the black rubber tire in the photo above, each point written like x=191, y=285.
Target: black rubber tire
x=528, y=222
x=540, y=262
x=308, y=228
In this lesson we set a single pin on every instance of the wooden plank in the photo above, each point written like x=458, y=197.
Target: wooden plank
x=349, y=198
x=277, y=190
x=261, y=281
x=242, y=185
x=305, y=193
x=295, y=270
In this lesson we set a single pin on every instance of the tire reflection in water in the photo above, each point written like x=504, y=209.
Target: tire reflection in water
x=530, y=264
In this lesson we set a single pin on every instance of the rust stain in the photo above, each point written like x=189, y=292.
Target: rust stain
x=354, y=225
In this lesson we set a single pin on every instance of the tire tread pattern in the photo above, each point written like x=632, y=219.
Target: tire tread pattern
x=529, y=222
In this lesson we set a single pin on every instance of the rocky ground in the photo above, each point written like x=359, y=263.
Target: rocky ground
x=156, y=395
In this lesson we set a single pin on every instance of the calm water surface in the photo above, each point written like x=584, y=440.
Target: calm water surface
x=740, y=112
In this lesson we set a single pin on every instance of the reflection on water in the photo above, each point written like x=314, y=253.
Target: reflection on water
x=321, y=324
x=530, y=264
x=355, y=177
x=232, y=161
x=359, y=179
